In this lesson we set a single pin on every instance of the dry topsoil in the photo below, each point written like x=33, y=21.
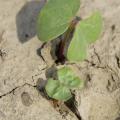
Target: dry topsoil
x=24, y=61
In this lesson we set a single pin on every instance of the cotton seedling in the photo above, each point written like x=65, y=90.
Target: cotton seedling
x=58, y=17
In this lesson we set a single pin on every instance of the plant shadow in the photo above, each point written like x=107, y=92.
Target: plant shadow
x=26, y=20
x=51, y=72
x=117, y=118
x=41, y=83
x=40, y=86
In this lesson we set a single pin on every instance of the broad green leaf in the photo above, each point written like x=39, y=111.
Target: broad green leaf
x=91, y=28
x=87, y=31
x=55, y=17
x=77, y=50
x=68, y=78
x=51, y=87
x=62, y=93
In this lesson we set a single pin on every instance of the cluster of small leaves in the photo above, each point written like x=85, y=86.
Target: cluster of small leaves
x=67, y=80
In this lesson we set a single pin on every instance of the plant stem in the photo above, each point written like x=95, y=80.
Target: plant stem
x=70, y=30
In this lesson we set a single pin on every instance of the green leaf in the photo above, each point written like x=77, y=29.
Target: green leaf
x=64, y=73
x=73, y=83
x=60, y=89
x=68, y=78
x=62, y=93
x=55, y=17
x=57, y=91
x=91, y=28
x=87, y=31
x=77, y=50
x=51, y=87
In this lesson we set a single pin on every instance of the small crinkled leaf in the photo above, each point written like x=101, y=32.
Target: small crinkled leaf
x=51, y=87
x=67, y=77
x=73, y=83
x=62, y=93
x=87, y=31
x=64, y=73
x=55, y=17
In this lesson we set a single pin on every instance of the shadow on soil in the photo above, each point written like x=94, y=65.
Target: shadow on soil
x=26, y=20
x=50, y=73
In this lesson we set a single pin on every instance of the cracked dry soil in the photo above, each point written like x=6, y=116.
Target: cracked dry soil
x=21, y=65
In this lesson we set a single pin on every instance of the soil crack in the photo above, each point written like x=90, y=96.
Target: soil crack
x=12, y=91
x=118, y=61
x=97, y=55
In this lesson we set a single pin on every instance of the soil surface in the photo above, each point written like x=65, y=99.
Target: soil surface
x=26, y=63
